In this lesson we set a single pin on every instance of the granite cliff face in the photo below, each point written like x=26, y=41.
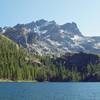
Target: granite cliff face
x=47, y=37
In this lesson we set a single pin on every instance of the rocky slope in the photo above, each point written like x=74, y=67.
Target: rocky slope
x=47, y=37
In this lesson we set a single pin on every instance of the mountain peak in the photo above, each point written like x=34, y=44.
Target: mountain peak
x=41, y=22
x=52, y=22
x=71, y=28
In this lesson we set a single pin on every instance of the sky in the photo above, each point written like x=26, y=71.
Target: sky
x=86, y=13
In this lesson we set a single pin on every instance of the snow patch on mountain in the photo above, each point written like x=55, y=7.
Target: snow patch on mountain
x=44, y=31
x=54, y=43
x=97, y=45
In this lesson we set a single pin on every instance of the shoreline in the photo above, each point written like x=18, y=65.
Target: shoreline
x=6, y=80
x=35, y=81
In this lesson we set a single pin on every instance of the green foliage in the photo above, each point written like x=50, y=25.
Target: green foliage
x=16, y=64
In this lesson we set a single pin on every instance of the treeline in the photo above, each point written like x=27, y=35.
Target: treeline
x=17, y=64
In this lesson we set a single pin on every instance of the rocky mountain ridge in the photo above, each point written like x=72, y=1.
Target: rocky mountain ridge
x=47, y=37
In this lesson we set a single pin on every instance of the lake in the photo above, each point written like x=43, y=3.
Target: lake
x=49, y=91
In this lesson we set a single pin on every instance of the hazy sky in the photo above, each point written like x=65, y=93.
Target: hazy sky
x=86, y=13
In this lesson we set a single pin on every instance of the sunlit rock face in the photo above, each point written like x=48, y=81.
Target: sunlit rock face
x=47, y=37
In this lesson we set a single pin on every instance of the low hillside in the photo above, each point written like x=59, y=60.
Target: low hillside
x=17, y=64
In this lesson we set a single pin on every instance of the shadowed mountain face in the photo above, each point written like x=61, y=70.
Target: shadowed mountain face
x=47, y=37
x=78, y=60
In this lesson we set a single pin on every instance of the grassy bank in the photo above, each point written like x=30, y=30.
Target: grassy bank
x=7, y=80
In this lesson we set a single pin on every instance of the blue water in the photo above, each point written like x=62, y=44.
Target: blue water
x=49, y=91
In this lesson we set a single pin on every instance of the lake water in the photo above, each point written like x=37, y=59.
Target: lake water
x=49, y=91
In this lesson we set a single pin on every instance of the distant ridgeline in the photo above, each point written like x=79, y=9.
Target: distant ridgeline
x=17, y=64
x=47, y=37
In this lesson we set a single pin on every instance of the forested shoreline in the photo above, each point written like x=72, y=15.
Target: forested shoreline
x=17, y=64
